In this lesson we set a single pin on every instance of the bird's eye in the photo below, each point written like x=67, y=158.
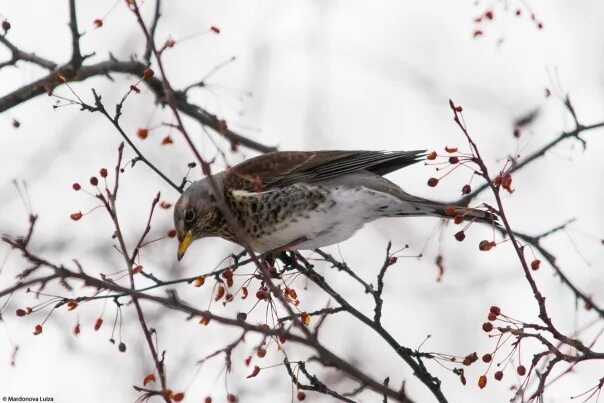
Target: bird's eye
x=189, y=215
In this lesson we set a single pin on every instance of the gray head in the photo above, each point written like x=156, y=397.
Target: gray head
x=195, y=213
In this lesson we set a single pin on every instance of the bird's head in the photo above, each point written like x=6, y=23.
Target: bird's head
x=195, y=214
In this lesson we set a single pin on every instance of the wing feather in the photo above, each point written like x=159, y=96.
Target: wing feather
x=284, y=168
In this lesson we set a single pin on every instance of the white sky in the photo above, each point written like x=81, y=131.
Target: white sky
x=322, y=74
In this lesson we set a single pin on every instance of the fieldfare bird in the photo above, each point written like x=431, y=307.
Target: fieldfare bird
x=302, y=200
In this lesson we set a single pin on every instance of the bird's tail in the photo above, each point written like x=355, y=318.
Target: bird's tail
x=421, y=206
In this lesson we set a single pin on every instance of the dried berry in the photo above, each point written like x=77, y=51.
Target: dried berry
x=460, y=236
x=535, y=264
x=466, y=189
x=103, y=172
x=142, y=133
x=199, y=281
x=450, y=211
x=122, y=347
x=148, y=379
x=498, y=375
x=98, y=23
x=487, y=326
x=37, y=330
x=301, y=395
x=432, y=182
x=76, y=216
x=21, y=312
x=453, y=160
x=495, y=309
x=521, y=370
x=431, y=156
x=487, y=358
x=148, y=73
x=255, y=372
x=482, y=381
x=486, y=246
x=98, y=323
x=94, y=181
x=76, y=186
x=215, y=29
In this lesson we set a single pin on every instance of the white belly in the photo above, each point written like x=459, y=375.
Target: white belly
x=329, y=224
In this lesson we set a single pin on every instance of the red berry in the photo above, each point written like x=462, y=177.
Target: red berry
x=5, y=26
x=487, y=358
x=301, y=395
x=262, y=293
x=21, y=312
x=489, y=15
x=466, y=189
x=487, y=326
x=431, y=156
x=231, y=398
x=98, y=23
x=142, y=133
x=98, y=323
x=37, y=330
x=171, y=233
x=498, y=375
x=76, y=216
x=208, y=399
x=535, y=264
x=495, y=309
x=177, y=397
x=214, y=29
x=148, y=73
x=94, y=181
x=432, y=182
x=76, y=186
x=453, y=149
x=521, y=370
x=482, y=381
x=516, y=132
x=460, y=236
x=458, y=219
x=486, y=245
x=453, y=160
x=167, y=140
x=103, y=172
x=492, y=316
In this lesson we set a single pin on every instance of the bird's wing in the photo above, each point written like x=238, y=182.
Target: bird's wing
x=283, y=168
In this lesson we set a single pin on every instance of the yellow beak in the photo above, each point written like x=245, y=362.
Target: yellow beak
x=184, y=245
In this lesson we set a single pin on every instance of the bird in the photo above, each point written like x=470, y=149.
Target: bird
x=299, y=200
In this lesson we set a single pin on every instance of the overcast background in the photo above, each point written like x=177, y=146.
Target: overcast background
x=311, y=75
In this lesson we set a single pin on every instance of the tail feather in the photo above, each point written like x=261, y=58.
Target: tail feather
x=428, y=207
